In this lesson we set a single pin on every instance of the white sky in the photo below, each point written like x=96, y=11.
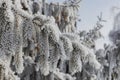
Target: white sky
x=89, y=11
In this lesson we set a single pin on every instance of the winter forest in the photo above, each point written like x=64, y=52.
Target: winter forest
x=41, y=41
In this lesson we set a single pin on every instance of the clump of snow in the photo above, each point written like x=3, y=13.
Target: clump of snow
x=18, y=61
x=63, y=76
x=72, y=36
x=43, y=65
x=93, y=61
x=67, y=45
x=6, y=72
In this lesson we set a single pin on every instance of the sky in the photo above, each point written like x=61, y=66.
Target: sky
x=90, y=9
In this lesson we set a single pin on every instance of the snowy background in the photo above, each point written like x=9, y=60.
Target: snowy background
x=89, y=11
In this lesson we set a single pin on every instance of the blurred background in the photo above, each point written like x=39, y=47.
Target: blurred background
x=89, y=11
